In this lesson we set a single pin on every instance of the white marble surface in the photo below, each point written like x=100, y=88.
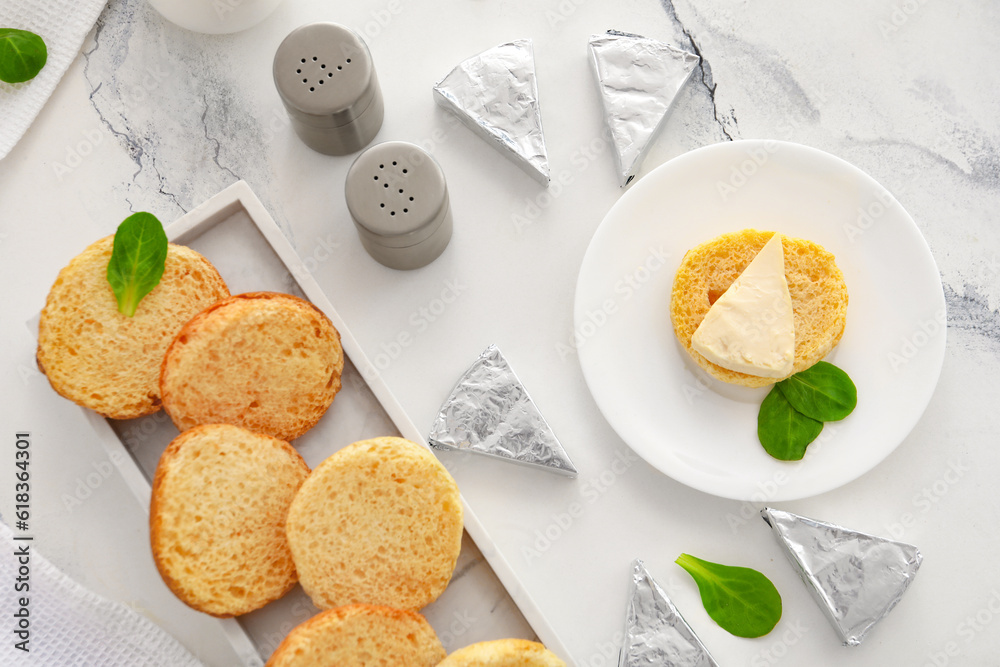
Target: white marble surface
x=151, y=117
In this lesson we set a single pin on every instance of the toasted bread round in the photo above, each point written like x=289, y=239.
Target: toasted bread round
x=106, y=361
x=816, y=286
x=217, y=518
x=360, y=636
x=266, y=361
x=503, y=653
x=379, y=522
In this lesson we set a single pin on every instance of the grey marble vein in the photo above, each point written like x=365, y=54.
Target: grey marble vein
x=727, y=122
x=178, y=103
x=976, y=161
x=970, y=311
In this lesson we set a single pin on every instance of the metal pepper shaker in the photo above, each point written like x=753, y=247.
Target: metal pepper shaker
x=398, y=198
x=327, y=82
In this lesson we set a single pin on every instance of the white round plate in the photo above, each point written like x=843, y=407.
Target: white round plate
x=703, y=432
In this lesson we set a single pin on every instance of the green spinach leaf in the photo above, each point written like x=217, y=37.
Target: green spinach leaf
x=823, y=392
x=741, y=600
x=22, y=55
x=137, y=260
x=784, y=431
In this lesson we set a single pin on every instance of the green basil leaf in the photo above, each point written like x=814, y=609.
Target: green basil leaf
x=784, y=431
x=137, y=260
x=22, y=55
x=741, y=600
x=823, y=392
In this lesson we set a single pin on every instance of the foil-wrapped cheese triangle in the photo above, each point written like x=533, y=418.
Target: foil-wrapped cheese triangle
x=638, y=78
x=655, y=632
x=856, y=578
x=495, y=95
x=489, y=412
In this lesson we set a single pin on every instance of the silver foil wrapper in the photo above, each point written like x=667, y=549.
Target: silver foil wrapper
x=638, y=79
x=655, y=632
x=856, y=578
x=489, y=412
x=495, y=94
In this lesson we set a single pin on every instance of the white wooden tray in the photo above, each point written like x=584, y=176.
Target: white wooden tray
x=236, y=233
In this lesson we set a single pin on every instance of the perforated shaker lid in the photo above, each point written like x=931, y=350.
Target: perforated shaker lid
x=324, y=74
x=397, y=195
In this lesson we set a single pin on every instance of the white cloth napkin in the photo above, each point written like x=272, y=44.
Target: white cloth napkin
x=71, y=626
x=63, y=25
